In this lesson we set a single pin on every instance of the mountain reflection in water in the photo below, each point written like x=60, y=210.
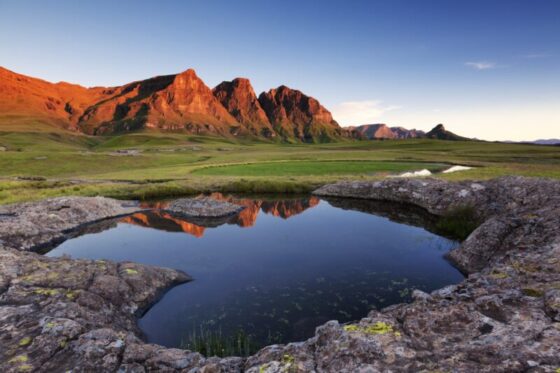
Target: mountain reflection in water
x=302, y=262
x=157, y=218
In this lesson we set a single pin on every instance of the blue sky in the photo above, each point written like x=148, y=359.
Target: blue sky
x=487, y=69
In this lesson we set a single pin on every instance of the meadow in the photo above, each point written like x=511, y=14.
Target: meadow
x=146, y=165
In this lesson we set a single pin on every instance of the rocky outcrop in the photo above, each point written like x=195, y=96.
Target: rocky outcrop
x=440, y=133
x=503, y=317
x=36, y=225
x=204, y=207
x=61, y=314
x=295, y=115
x=239, y=98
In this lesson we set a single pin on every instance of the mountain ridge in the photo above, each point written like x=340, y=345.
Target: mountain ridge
x=176, y=102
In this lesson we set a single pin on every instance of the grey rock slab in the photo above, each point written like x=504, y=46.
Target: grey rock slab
x=204, y=207
x=59, y=314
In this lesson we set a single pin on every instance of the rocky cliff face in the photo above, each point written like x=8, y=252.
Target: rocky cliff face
x=181, y=102
x=240, y=100
x=172, y=102
x=295, y=115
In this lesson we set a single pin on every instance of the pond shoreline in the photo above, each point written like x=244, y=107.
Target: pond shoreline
x=503, y=317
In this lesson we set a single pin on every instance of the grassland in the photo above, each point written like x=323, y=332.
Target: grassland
x=54, y=163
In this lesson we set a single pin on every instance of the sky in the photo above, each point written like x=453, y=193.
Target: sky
x=488, y=69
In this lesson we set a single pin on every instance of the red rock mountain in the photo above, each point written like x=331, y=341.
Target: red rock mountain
x=23, y=98
x=295, y=115
x=240, y=100
x=172, y=102
x=181, y=102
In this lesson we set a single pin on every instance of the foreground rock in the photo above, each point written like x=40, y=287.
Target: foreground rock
x=62, y=314
x=204, y=207
x=46, y=223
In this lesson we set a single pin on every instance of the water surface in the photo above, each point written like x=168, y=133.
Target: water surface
x=278, y=269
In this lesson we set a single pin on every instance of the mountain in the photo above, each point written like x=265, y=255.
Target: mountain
x=547, y=142
x=382, y=131
x=439, y=132
x=374, y=131
x=294, y=115
x=59, y=104
x=240, y=100
x=403, y=133
x=179, y=102
x=172, y=102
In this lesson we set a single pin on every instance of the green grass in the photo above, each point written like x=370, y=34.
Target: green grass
x=302, y=168
x=177, y=164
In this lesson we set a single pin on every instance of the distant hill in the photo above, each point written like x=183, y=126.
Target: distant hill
x=439, y=132
x=547, y=142
x=382, y=131
x=180, y=102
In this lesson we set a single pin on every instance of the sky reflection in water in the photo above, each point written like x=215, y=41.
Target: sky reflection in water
x=277, y=270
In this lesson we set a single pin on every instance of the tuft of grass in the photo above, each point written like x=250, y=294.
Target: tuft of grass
x=213, y=343
x=458, y=222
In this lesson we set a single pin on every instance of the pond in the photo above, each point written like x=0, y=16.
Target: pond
x=276, y=271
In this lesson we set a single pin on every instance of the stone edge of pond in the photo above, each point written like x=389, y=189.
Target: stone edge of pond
x=58, y=314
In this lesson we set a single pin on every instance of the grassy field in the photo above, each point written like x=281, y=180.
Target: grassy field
x=164, y=164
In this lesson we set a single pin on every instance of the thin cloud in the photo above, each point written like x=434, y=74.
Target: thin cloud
x=353, y=113
x=481, y=65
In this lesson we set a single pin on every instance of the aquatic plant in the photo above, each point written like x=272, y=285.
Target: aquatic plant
x=213, y=343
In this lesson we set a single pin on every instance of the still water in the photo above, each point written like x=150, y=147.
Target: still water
x=279, y=268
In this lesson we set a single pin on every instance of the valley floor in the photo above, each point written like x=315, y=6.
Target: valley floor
x=36, y=165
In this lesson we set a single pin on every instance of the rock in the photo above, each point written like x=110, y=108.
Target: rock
x=37, y=225
x=59, y=314
x=205, y=207
x=125, y=152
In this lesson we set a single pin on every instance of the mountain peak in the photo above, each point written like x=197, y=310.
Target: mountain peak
x=296, y=115
x=240, y=100
x=188, y=72
x=439, y=132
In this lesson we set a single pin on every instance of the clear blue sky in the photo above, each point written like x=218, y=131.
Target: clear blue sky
x=488, y=69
